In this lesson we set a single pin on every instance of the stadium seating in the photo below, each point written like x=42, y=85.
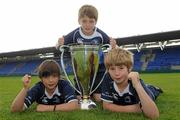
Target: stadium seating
x=29, y=67
x=20, y=68
x=148, y=60
x=160, y=60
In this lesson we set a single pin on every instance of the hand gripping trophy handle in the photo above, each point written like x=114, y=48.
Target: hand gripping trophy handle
x=85, y=64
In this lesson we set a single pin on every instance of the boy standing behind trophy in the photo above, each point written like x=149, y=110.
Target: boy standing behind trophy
x=88, y=33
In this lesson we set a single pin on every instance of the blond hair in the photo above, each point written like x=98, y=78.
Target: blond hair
x=89, y=11
x=119, y=57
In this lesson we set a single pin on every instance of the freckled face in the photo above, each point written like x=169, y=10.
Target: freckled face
x=119, y=73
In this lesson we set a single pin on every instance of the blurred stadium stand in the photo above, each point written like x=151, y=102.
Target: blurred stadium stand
x=158, y=52
x=157, y=60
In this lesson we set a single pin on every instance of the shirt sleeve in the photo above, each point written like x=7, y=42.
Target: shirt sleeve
x=148, y=91
x=106, y=94
x=69, y=92
x=69, y=38
x=106, y=39
x=32, y=95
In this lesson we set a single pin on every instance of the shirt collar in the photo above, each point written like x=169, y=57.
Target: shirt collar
x=126, y=90
x=87, y=36
x=55, y=92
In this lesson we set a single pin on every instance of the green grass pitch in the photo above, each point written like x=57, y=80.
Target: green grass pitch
x=168, y=103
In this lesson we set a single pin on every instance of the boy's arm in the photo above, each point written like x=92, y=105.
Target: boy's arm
x=67, y=39
x=18, y=103
x=119, y=108
x=60, y=42
x=113, y=43
x=149, y=108
x=61, y=107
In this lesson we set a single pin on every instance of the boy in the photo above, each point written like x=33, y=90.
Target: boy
x=120, y=94
x=88, y=33
x=51, y=93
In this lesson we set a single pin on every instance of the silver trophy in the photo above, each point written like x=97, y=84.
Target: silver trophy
x=85, y=63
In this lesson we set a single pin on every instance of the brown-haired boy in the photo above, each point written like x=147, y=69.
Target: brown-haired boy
x=88, y=33
x=51, y=93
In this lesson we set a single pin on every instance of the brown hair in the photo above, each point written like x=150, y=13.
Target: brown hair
x=48, y=68
x=119, y=57
x=89, y=11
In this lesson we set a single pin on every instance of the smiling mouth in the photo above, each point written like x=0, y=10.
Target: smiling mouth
x=51, y=85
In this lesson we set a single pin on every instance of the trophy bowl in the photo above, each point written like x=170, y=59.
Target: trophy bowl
x=85, y=64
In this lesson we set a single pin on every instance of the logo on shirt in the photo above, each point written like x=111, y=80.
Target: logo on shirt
x=80, y=40
x=56, y=99
x=95, y=42
x=45, y=100
x=127, y=99
x=115, y=96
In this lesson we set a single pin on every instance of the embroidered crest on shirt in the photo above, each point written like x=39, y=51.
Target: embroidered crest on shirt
x=80, y=40
x=115, y=96
x=127, y=99
x=44, y=100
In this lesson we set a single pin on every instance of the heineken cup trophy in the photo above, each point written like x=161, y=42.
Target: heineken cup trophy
x=85, y=64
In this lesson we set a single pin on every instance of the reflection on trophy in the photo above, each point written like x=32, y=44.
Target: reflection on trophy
x=85, y=63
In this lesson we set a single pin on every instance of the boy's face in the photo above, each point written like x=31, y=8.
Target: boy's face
x=50, y=82
x=119, y=73
x=87, y=25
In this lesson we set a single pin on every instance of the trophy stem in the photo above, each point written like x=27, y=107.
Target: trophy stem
x=85, y=97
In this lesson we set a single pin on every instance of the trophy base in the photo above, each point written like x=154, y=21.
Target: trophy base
x=87, y=104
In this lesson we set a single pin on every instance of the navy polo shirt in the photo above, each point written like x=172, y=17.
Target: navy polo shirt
x=129, y=96
x=97, y=38
x=63, y=93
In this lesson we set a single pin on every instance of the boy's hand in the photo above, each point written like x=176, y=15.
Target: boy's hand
x=134, y=77
x=112, y=42
x=60, y=42
x=26, y=81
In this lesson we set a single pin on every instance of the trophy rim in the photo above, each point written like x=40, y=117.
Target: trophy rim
x=80, y=47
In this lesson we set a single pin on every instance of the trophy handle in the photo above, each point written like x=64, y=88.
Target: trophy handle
x=99, y=83
x=64, y=48
x=105, y=48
